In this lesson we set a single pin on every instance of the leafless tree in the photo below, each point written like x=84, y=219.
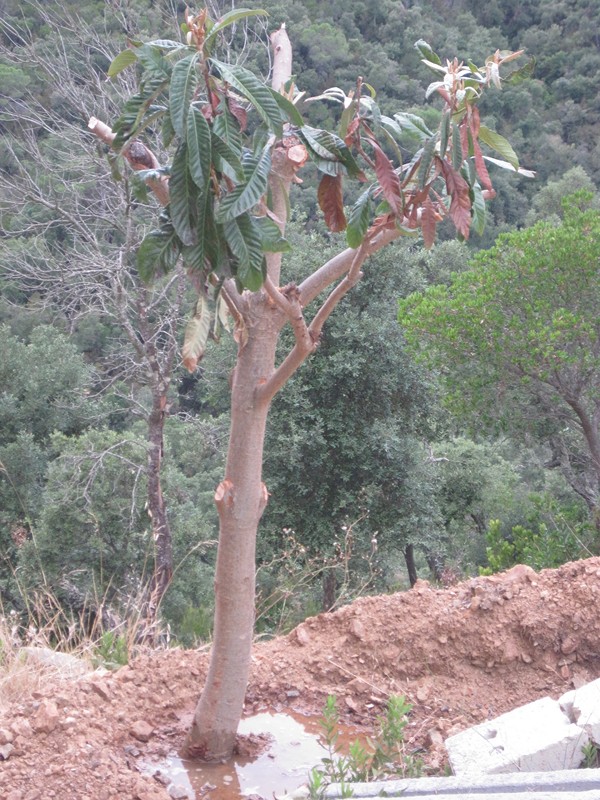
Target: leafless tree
x=71, y=231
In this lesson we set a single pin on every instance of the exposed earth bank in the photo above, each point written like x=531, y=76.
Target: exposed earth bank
x=460, y=655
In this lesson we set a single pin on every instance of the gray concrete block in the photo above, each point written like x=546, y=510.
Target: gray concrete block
x=583, y=707
x=562, y=785
x=534, y=737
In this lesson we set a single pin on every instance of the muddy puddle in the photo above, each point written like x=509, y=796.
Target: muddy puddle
x=293, y=748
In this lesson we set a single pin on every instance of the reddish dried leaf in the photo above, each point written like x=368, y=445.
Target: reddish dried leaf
x=480, y=166
x=331, y=202
x=474, y=121
x=352, y=128
x=460, y=204
x=444, y=93
x=429, y=221
x=238, y=111
x=464, y=137
x=388, y=180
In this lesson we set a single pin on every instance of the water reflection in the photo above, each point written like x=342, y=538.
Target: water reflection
x=283, y=766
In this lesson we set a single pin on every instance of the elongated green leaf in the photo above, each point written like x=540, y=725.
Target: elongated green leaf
x=427, y=52
x=519, y=75
x=244, y=240
x=226, y=127
x=478, y=209
x=444, y=132
x=199, y=146
x=499, y=144
x=528, y=173
x=426, y=162
x=259, y=95
x=411, y=123
x=196, y=335
x=227, y=157
x=229, y=19
x=327, y=167
x=271, y=238
x=152, y=60
x=328, y=146
x=457, y=152
x=183, y=194
x=289, y=109
x=246, y=196
x=158, y=253
x=121, y=62
x=126, y=124
x=184, y=82
x=166, y=44
x=358, y=220
x=167, y=131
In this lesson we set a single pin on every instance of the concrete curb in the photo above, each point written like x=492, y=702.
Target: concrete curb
x=582, y=784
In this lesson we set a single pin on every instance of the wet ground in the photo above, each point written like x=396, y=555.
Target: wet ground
x=294, y=746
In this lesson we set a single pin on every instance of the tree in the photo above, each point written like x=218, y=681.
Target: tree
x=71, y=232
x=43, y=384
x=346, y=438
x=518, y=342
x=225, y=196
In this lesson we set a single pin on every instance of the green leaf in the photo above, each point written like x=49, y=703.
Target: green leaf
x=411, y=123
x=183, y=194
x=184, y=82
x=228, y=156
x=254, y=90
x=499, y=144
x=519, y=75
x=166, y=44
x=246, y=196
x=196, y=334
x=244, y=240
x=427, y=52
x=153, y=60
x=168, y=131
x=225, y=126
x=528, y=173
x=358, y=220
x=327, y=167
x=478, y=209
x=328, y=146
x=199, y=146
x=271, y=238
x=229, y=19
x=426, y=161
x=444, y=133
x=289, y=109
x=158, y=253
x=121, y=62
x=457, y=153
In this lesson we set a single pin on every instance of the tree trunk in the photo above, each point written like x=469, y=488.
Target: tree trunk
x=241, y=499
x=329, y=589
x=409, y=557
x=157, y=511
x=435, y=562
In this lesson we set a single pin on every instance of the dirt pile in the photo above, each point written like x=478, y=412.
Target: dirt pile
x=460, y=655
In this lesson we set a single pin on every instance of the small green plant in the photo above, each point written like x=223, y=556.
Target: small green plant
x=383, y=756
x=591, y=756
x=111, y=650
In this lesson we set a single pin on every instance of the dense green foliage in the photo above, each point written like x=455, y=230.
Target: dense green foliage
x=518, y=340
x=360, y=450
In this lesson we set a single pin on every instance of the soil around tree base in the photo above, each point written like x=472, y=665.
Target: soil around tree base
x=460, y=655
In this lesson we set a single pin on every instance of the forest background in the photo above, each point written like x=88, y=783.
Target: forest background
x=381, y=465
